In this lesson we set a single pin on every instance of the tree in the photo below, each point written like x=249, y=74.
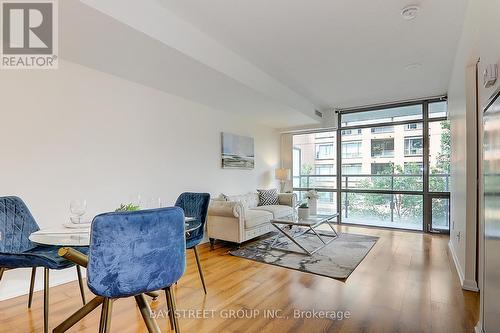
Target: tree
x=386, y=205
x=443, y=161
x=305, y=171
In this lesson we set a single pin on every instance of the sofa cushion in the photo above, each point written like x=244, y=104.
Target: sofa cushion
x=278, y=211
x=268, y=197
x=249, y=200
x=254, y=217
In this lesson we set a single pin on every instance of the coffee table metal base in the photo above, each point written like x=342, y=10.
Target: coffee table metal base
x=294, y=237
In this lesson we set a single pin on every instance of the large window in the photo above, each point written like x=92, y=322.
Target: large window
x=382, y=168
x=356, y=131
x=414, y=146
x=384, y=129
x=383, y=162
x=314, y=157
x=413, y=168
x=439, y=156
x=378, y=209
x=324, y=151
x=383, y=147
x=351, y=168
x=351, y=149
x=438, y=109
x=386, y=115
x=413, y=126
x=325, y=169
x=394, y=165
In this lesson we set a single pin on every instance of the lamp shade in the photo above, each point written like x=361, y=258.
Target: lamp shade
x=282, y=174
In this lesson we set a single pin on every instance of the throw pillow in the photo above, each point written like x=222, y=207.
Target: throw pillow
x=223, y=197
x=268, y=197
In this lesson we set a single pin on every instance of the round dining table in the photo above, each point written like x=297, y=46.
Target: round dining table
x=81, y=236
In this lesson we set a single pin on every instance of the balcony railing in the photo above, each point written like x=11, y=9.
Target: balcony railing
x=355, y=186
x=439, y=182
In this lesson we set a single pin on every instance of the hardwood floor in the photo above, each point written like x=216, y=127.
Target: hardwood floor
x=407, y=283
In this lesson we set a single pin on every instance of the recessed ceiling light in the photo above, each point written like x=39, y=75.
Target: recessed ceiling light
x=413, y=66
x=410, y=12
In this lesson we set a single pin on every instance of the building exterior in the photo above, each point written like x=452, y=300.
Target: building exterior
x=373, y=158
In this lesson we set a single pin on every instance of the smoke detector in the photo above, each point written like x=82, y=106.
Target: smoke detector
x=410, y=12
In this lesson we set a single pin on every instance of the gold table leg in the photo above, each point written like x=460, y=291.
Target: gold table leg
x=80, y=282
x=78, y=315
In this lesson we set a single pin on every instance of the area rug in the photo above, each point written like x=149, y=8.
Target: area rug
x=337, y=260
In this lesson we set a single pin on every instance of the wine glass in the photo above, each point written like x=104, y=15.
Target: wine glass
x=78, y=208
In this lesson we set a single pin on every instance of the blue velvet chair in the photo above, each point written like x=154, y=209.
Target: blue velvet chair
x=195, y=205
x=17, y=251
x=130, y=254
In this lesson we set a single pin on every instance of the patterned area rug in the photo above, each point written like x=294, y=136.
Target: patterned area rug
x=336, y=260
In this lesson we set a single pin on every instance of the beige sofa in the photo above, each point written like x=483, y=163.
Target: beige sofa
x=239, y=218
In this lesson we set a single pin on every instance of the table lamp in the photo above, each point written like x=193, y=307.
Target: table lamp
x=282, y=175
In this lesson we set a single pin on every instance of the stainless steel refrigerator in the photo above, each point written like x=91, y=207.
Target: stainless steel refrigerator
x=490, y=293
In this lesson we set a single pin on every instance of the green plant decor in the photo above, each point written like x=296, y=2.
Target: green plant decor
x=304, y=205
x=128, y=208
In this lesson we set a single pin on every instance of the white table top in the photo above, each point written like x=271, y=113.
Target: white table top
x=61, y=239
x=67, y=237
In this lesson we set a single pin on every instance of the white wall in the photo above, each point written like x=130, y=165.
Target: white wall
x=479, y=40
x=79, y=133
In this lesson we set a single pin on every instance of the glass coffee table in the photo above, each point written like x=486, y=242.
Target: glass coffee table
x=294, y=228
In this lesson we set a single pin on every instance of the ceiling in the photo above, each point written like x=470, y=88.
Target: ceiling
x=340, y=53
x=145, y=43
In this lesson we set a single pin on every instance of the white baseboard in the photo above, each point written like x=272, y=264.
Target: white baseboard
x=470, y=285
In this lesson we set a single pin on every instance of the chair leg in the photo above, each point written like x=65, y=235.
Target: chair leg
x=1, y=272
x=80, y=282
x=199, y=269
x=105, y=322
x=171, y=313
x=150, y=322
x=170, y=295
x=46, y=300
x=212, y=243
x=32, y=286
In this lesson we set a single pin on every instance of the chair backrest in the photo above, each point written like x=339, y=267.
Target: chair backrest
x=195, y=205
x=16, y=225
x=135, y=252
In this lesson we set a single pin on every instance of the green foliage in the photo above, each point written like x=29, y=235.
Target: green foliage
x=130, y=207
x=304, y=205
x=443, y=161
x=393, y=178
x=409, y=178
x=306, y=170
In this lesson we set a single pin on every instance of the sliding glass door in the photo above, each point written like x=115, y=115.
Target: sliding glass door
x=386, y=167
